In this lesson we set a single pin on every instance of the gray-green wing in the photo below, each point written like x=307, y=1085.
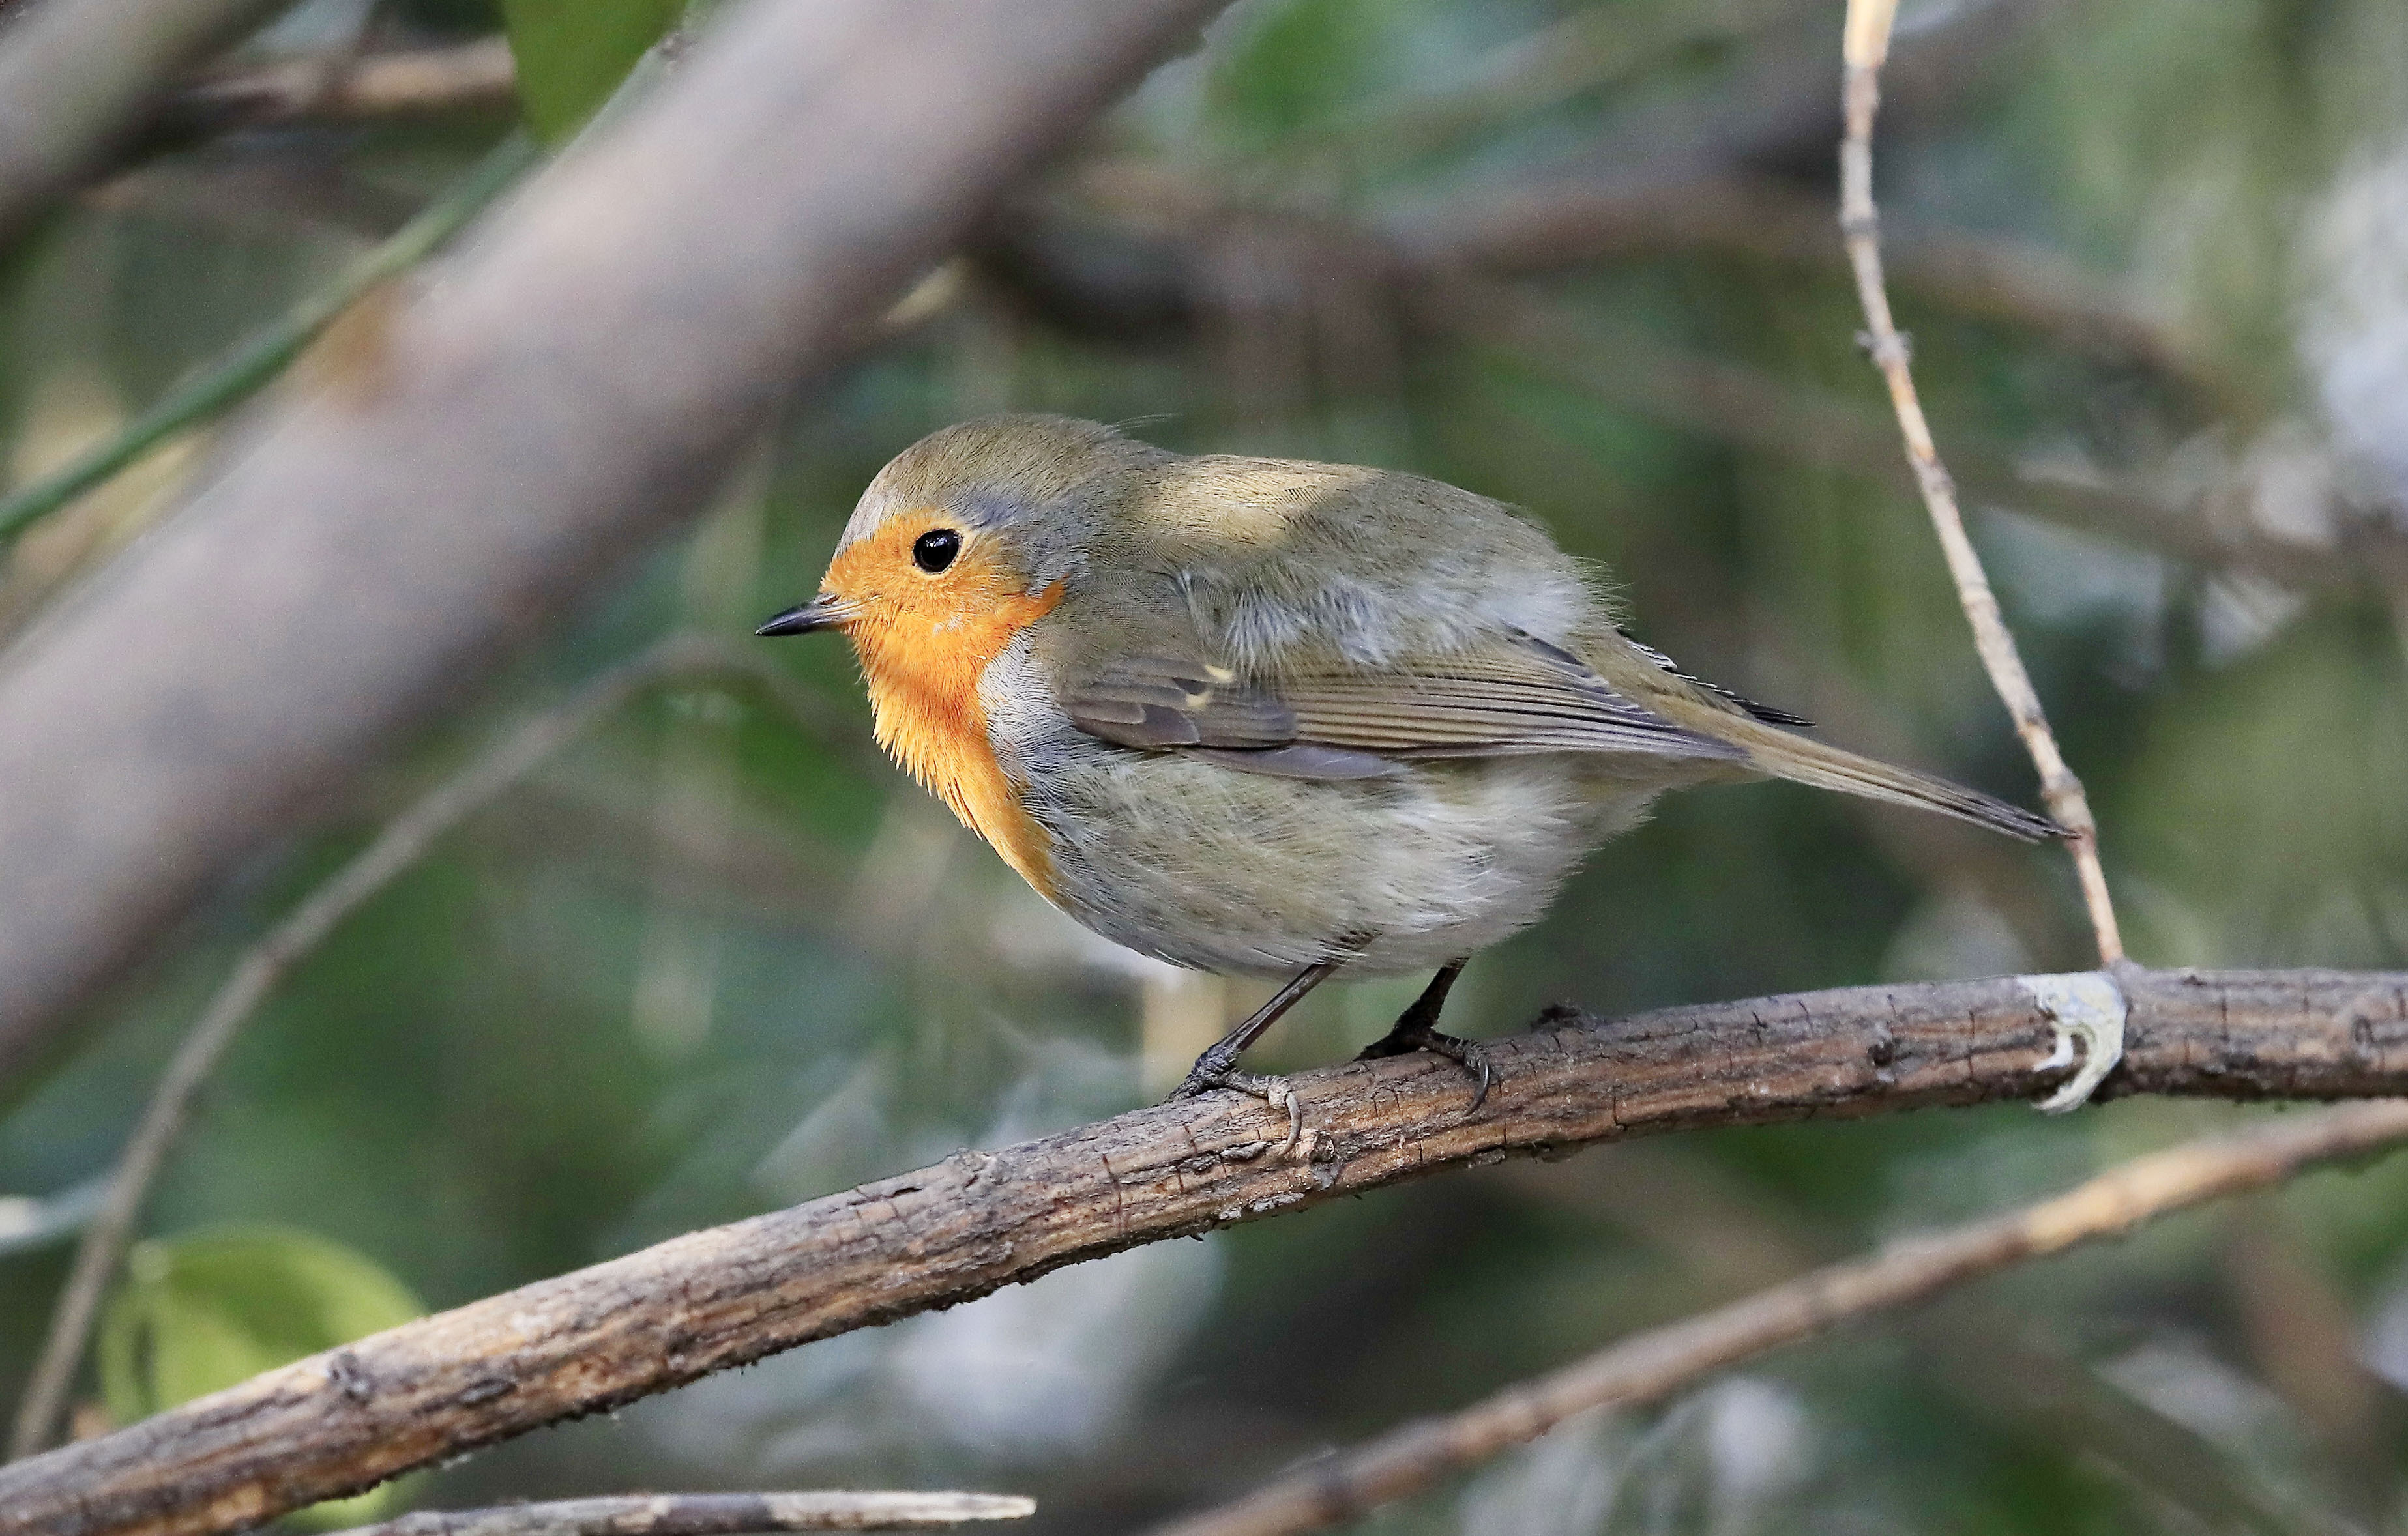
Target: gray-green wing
x=1514, y=695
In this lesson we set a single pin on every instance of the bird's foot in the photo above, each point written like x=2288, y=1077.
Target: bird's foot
x=1411, y=1035
x=1208, y=1074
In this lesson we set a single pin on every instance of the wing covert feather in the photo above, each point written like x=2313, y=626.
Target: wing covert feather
x=1513, y=695
x=1153, y=701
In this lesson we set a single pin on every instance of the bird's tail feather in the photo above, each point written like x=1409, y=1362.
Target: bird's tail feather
x=1825, y=767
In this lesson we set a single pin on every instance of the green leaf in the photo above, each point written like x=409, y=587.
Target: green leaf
x=205, y=1311
x=571, y=54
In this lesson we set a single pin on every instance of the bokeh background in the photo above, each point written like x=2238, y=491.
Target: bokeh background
x=716, y=956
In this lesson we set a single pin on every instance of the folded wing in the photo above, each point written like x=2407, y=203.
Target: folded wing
x=1516, y=694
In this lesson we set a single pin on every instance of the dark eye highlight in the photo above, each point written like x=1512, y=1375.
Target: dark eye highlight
x=935, y=550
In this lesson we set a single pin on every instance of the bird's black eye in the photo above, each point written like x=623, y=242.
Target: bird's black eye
x=935, y=550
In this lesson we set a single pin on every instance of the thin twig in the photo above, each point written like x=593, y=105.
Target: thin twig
x=712, y=1515
x=1867, y=44
x=250, y=366
x=713, y=1300
x=1650, y=1366
x=402, y=843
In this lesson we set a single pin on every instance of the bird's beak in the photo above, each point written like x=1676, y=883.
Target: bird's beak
x=821, y=613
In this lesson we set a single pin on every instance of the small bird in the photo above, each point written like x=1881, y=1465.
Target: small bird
x=1269, y=718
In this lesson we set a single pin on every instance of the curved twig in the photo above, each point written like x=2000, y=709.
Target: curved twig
x=1867, y=45
x=713, y=1300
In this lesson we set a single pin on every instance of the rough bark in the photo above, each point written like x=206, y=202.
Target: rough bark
x=712, y=1515
x=979, y=1221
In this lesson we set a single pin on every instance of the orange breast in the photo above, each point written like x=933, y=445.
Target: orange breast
x=923, y=647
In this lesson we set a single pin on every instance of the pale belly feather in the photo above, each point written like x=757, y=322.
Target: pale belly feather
x=1244, y=873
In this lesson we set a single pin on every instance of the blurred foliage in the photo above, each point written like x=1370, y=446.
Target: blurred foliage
x=208, y=1310
x=712, y=960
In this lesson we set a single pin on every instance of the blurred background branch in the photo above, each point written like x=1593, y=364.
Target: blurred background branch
x=77, y=77
x=958, y=1229
x=1345, y=1486
x=338, y=85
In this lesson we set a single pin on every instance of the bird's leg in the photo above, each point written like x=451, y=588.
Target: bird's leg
x=1217, y=1066
x=1417, y=1031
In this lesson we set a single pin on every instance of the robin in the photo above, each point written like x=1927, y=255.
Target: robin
x=1269, y=718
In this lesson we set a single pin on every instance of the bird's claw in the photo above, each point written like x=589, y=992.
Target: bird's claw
x=1275, y=1091
x=1196, y=1082
x=1216, y=1068
x=1470, y=1055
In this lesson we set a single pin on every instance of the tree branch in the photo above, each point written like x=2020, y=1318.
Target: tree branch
x=1650, y=1366
x=504, y=441
x=712, y=1515
x=721, y=1298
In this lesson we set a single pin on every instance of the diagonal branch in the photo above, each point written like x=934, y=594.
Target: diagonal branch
x=721, y=1298
x=1650, y=1366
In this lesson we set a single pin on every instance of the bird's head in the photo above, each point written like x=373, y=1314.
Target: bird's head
x=968, y=536
x=968, y=522
x=971, y=534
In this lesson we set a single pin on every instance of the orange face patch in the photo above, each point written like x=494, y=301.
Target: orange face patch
x=923, y=640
